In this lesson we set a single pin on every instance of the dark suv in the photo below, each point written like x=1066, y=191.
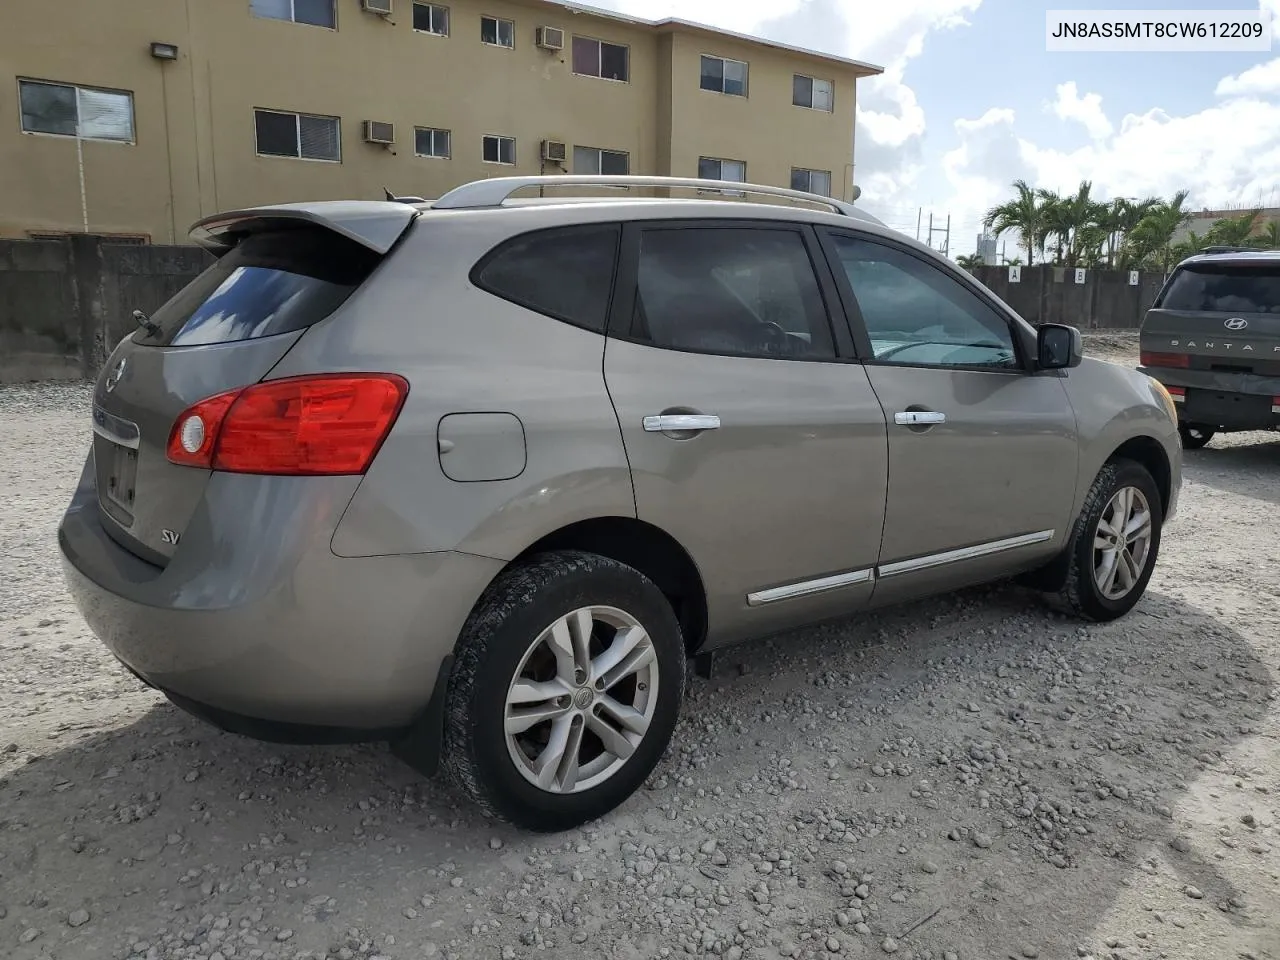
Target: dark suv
x=1213, y=339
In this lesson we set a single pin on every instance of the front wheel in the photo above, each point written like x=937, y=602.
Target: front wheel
x=566, y=690
x=1193, y=437
x=1114, y=544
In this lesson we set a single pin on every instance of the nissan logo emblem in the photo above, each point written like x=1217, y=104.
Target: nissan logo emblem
x=1236, y=323
x=116, y=375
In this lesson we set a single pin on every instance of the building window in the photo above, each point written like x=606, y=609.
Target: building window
x=431, y=18
x=67, y=111
x=812, y=93
x=430, y=142
x=318, y=13
x=724, y=76
x=497, y=33
x=299, y=135
x=595, y=58
x=711, y=168
x=811, y=181
x=591, y=160
x=499, y=149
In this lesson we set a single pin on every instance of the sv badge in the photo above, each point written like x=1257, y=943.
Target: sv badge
x=169, y=536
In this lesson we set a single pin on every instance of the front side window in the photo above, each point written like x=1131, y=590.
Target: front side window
x=497, y=149
x=812, y=93
x=432, y=142
x=591, y=160
x=431, y=18
x=811, y=181
x=1224, y=288
x=595, y=58
x=731, y=291
x=724, y=76
x=299, y=135
x=565, y=273
x=916, y=315
x=69, y=111
x=317, y=13
x=497, y=32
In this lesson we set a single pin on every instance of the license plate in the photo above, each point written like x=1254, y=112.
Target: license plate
x=122, y=477
x=1215, y=408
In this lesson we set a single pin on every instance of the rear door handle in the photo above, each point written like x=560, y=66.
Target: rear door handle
x=680, y=422
x=912, y=418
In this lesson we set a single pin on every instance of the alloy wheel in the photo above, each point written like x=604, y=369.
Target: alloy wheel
x=581, y=700
x=1122, y=543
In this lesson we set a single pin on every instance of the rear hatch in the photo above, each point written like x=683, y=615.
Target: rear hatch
x=280, y=270
x=1217, y=319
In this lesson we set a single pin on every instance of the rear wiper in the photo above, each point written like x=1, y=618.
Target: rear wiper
x=146, y=323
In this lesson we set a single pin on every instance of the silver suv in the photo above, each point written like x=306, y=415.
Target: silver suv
x=478, y=476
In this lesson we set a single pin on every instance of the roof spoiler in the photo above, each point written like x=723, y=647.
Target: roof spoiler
x=374, y=224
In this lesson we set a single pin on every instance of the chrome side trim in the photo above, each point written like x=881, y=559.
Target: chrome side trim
x=807, y=588
x=116, y=429
x=964, y=553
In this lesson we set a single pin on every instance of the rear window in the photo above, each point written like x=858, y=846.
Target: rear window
x=565, y=273
x=273, y=282
x=1224, y=288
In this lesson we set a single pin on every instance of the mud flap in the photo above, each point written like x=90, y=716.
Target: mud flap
x=421, y=744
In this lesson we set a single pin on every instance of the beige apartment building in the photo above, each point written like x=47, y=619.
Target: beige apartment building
x=137, y=117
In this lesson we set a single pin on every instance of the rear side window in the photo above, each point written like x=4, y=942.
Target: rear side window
x=566, y=273
x=271, y=283
x=1225, y=288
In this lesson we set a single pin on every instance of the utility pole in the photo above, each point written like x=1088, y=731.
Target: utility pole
x=945, y=249
x=946, y=242
x=919, y=213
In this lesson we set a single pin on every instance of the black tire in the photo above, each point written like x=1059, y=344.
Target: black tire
x=1194, y=437
x=1079, y=594
x=517, y=607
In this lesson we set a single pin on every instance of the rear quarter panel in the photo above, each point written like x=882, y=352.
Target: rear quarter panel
x=466, y=351
x=1113, y=405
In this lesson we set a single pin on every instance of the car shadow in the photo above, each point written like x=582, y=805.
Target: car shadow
x=1248, y=466
x=1016, y=773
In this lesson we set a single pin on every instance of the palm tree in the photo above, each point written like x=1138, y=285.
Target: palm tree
x=1024, y=214
x=1270, y=237
x=1075, y=221
x=970, y=261
x=1192, y=245
x=1234, y=231
x=1152, y=237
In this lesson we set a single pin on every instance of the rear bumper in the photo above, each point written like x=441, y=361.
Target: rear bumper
x=257, y=626
x=1222, y=401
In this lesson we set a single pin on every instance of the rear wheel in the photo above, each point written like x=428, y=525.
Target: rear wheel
x=1114, y=544
x=1193, y=437
x=565, y=692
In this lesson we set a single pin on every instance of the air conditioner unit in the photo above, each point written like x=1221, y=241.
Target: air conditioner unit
x=379, y=131
x=381, y=7
x=554, y=151
x=550, y=38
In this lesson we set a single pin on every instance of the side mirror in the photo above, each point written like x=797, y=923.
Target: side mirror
x=1058, y=347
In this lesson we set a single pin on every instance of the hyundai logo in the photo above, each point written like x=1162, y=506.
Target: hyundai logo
x=1236, y=323
x=116, y=375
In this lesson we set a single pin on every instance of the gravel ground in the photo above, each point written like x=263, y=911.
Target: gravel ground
x=969, y=777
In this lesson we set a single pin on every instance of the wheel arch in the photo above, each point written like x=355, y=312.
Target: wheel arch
x=647, y=548
x=1150, y=453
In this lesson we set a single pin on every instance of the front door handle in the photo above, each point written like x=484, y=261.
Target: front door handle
x=915, y=418
x=681, y=422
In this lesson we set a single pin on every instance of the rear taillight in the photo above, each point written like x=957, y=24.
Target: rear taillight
x=327, y=424
x=1149, y=359
x=1177, y=394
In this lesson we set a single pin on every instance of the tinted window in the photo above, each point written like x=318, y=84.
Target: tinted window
x=271, y=283
x=566, y=274
x=1225, y=288
x=731, y=291
x=916, y=314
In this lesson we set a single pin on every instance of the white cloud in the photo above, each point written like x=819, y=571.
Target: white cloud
x=1086, y=110
x=1259, y=80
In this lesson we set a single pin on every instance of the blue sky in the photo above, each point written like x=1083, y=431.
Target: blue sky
x=971, y=99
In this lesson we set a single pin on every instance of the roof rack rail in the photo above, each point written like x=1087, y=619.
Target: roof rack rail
x=497, y=190
x=1226, y=248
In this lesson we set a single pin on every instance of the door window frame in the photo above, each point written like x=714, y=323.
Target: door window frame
x=1021, y=333
x=626, y=286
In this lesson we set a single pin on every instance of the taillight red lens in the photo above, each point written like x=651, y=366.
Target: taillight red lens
x=301, y=426
x=1149, y=359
